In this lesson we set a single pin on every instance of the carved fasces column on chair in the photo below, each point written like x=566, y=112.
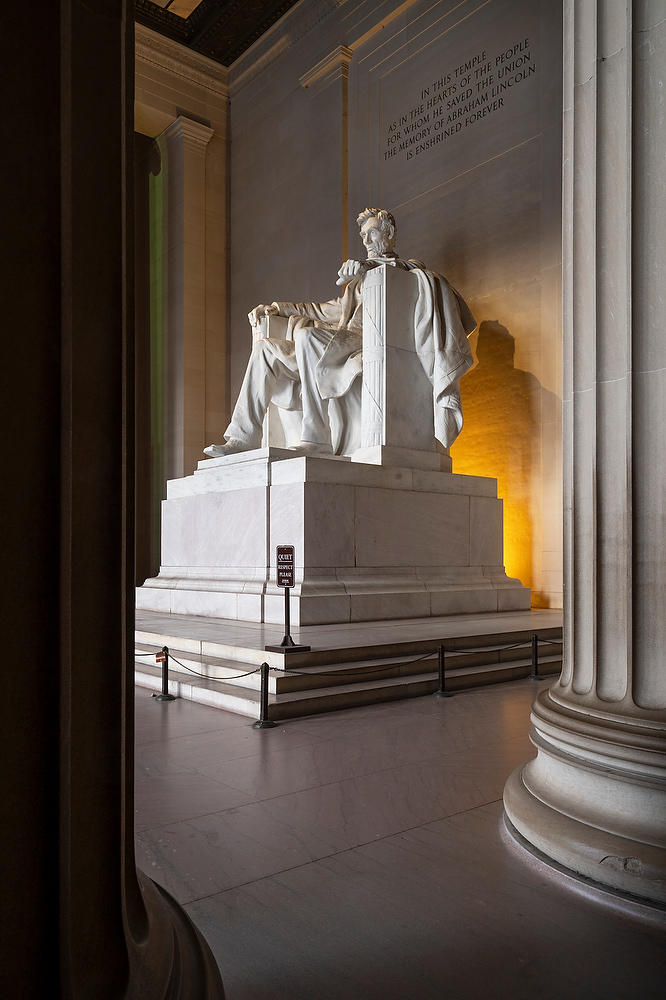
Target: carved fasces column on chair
x=594, y=798
x=397, y=425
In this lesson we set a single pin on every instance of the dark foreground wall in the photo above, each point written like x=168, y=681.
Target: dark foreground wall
x=76, y=920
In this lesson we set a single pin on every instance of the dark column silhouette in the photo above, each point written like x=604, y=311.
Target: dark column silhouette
x=77, y=921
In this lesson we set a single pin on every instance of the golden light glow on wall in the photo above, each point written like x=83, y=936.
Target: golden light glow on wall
x=500, y=439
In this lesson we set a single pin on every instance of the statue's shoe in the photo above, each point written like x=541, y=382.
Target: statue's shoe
x=311, y=448
x=232, y=447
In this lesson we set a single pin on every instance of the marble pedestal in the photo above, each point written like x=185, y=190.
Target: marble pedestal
x=371, y=542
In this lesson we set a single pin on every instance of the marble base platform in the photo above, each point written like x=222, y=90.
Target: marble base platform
x=372, y=542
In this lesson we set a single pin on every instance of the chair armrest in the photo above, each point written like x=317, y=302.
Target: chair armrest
x=274, y=327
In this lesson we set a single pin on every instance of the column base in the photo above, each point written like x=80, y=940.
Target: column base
x=594, y=797
x=172, y=959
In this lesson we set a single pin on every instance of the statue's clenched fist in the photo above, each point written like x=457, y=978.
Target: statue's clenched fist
x=349, y=270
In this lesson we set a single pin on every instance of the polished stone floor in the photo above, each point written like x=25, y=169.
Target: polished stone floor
x=362, y=855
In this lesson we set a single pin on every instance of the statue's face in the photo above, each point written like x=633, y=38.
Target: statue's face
x=376, y=240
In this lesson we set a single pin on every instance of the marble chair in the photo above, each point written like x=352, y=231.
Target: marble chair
x=282, y=428
x=386, y=418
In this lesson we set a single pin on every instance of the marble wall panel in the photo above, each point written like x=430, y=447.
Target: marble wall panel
x=329, y=525
x=326, y=470
x=153, y=599
x=318, y=519
x=323, y=470
x=382, y=515
x=382, y=607
x=485, y=532
x=243, y=475
x=322, y=610
x=455, y=602
x=250, y=607
x=509, y=599
x=199, y=602
x=287, y=522
x=287, y=161
x=435, y=482
x=216, y=529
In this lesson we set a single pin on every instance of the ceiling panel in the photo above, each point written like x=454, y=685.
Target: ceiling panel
x=219, y=29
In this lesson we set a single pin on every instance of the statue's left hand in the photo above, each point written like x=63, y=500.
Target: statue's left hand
x=255, y=314
x=349, y=270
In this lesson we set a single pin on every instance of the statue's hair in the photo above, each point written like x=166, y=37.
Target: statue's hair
x=385, y=218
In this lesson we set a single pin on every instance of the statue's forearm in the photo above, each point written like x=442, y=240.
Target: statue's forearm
x=322, y=312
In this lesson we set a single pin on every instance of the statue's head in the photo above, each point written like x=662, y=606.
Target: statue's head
x=377, y=228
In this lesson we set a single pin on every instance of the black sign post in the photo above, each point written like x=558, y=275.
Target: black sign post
x=285, y=578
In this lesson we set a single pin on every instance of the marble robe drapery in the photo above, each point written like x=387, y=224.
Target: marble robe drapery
x=442, y=323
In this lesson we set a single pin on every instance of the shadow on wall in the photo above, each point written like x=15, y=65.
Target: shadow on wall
x=502, y=408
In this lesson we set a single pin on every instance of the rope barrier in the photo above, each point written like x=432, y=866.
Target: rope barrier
x=498, y=649
x=360, y=672
x=208, y=677
x=487, y=649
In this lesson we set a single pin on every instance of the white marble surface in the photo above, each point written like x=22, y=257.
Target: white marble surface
x=471, y=600
x=425, y=529
x=594, y=798
x=403, y=457
x=371, y=543
x=411, y=323
x=397, y=407
x=220, y=529
x=485, y=531
x=321, y=524
x=434, y=480
x=246, y=640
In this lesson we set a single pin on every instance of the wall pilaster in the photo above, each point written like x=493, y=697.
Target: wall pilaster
x=183, y=147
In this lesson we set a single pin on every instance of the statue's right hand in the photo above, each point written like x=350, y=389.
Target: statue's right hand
x=349, y=270
x=255, y=315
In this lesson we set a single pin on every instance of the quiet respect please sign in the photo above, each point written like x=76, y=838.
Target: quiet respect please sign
x=285, y=565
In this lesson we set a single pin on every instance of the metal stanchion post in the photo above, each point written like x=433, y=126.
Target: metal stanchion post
x=263, y=721
x=441, y=663
x=535, y=657
x=287, y=645
x=164, y=659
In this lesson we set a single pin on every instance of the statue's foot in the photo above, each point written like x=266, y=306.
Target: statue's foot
x=311, y=448
x=232, y=447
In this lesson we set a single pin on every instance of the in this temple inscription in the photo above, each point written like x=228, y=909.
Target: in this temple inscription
x=479, y=86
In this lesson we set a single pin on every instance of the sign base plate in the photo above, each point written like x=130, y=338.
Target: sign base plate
x=288, y=649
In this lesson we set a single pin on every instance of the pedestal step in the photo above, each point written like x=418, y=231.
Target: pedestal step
x=325, y=680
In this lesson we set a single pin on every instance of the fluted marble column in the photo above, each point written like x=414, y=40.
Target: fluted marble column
x=594, y=798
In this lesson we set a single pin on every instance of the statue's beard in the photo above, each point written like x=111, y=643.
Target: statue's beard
x=380, y=249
